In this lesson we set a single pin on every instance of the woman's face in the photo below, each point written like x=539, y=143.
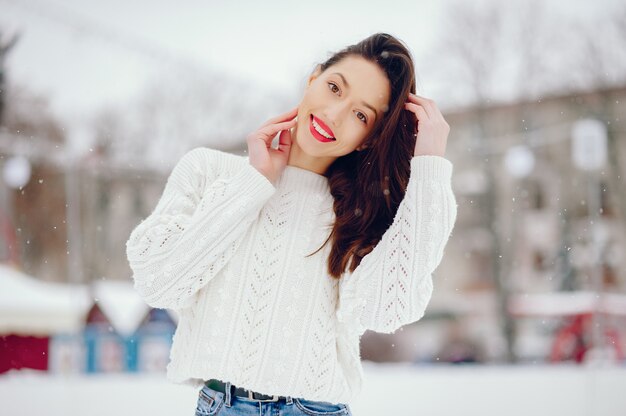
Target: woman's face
x=344, y=102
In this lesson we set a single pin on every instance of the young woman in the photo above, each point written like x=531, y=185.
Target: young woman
x=278, y=262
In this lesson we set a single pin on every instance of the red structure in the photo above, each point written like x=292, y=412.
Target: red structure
x=572, y=340
x=17, y=352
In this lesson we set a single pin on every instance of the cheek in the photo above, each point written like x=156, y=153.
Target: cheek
x=359, y=131
x=355, y=140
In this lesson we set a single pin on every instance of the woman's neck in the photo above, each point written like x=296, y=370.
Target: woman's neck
x=300, y=159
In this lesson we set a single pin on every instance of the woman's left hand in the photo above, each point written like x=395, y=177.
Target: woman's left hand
x=431, y=128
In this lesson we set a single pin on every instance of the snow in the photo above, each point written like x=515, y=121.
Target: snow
x=33, y=307
x=389, y=389
x=568, y=303
x=121, y=304
x=29, y=306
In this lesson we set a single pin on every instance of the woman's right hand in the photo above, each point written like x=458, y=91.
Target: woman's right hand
x=267, y=160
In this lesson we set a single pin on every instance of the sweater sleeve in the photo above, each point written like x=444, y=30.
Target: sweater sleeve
x=210, y=200
x=392, y=284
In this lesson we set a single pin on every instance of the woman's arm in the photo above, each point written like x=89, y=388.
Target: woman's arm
x=209, y=202
x=392, y=285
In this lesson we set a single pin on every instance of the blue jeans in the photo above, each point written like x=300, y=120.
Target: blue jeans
x=212, y=402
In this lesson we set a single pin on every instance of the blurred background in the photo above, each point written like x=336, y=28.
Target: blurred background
x=99, y=100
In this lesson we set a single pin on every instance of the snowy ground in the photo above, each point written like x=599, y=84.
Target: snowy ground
x=390, y=389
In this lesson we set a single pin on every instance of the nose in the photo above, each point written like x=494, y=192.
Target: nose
x=334, y=113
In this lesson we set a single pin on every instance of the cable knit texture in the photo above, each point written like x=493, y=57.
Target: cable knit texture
x=225, y=248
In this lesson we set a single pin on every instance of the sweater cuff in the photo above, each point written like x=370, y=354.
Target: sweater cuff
x=431, y=167
x=253, y=183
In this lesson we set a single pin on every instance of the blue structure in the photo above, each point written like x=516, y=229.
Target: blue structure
x=149, y=347
x=105, y=348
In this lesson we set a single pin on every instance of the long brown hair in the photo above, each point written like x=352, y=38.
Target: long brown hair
x=368, y=185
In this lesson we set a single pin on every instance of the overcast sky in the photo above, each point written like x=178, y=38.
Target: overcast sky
x=86, y=54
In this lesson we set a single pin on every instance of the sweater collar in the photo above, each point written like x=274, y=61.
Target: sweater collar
x=296, y=177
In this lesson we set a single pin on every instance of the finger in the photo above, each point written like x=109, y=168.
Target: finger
x=285, y=116
x=270, y=131
x=284, y=141
x=418, y=110
x=429, y=105
x=423, y=101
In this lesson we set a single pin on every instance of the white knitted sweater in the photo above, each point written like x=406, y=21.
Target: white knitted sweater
x=225, y=249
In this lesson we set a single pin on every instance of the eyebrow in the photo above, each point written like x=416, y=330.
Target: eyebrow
x=364, y=103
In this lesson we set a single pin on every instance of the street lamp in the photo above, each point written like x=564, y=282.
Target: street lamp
x=16, y=172
x=519, y=162
x=589, y=153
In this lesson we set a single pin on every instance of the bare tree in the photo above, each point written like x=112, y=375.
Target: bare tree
x=504, y=51
x=538, y=44
x=472, y=42
x=602, y=67
x=619, y=23
x=520, y=51
x=475, y=44
x=176, y=113
x=5, y=47
x=598, y=59
x=38, y=209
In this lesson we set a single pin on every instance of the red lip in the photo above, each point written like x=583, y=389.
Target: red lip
x=318, y=136
x=324, y=126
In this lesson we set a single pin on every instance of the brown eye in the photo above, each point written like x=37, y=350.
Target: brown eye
x=364, y=119
x=331, y=85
